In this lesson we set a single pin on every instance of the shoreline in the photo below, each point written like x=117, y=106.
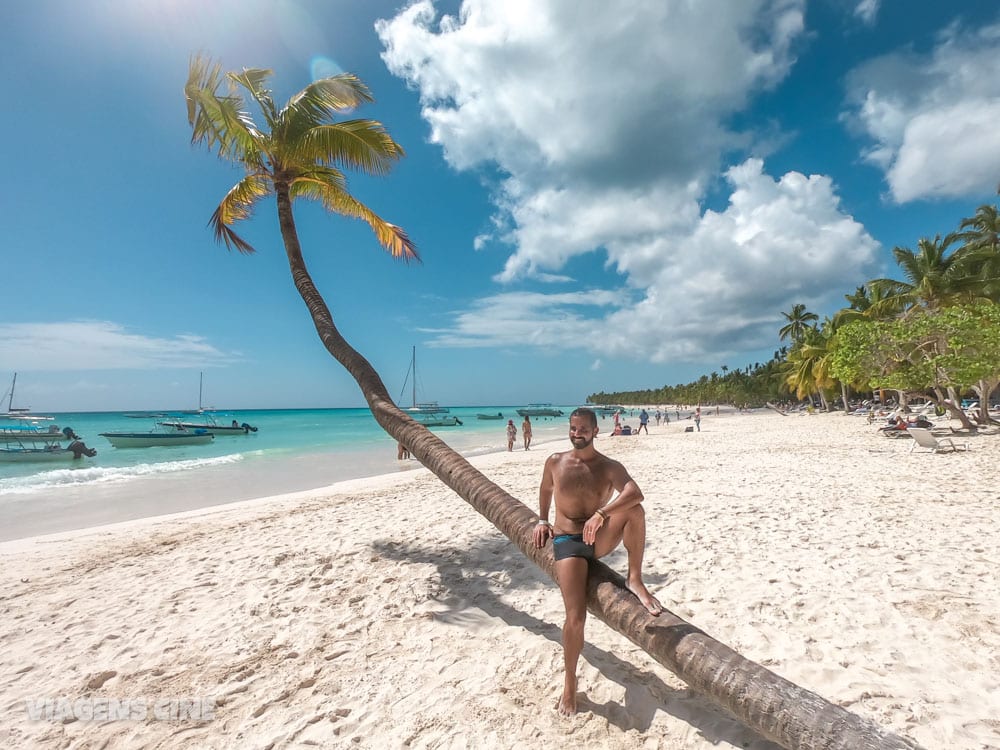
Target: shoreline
x=384, y=609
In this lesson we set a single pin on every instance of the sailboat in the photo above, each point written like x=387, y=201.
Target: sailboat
x=428, y=413
x=210, y=425
x=23, y=412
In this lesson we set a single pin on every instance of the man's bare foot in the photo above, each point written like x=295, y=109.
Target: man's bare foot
x=567, y=702
x=567, y=705
x=646, y=599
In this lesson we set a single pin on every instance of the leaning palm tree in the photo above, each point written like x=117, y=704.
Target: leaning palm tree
x=300, y=154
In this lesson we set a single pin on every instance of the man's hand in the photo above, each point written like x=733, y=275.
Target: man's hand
x=543, y=532
x=590, y=529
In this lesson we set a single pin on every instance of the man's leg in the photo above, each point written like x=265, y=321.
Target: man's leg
x=572, y=576
x=629, y=528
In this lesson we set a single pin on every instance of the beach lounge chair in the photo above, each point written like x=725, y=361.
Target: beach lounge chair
x=923, y=438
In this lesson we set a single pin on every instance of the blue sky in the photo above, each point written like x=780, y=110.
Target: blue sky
x=605, y=196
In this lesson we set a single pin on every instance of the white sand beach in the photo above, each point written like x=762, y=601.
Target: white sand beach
x=387, y=613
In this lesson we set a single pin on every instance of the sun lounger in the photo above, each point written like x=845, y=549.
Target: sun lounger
x=923, y=438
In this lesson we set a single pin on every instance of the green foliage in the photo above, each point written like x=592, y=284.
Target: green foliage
x=952, y=346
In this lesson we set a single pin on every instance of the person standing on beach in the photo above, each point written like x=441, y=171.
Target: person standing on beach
x=511, y=434
x=588, y=527
x=526, y=431
x=643, y=422
x=697, y=417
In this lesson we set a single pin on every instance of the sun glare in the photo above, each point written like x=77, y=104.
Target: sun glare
x=323, y=67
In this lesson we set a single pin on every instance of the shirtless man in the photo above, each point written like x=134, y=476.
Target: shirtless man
x=588, y=527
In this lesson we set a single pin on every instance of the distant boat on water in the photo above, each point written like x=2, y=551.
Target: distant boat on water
x=540, y=410
x=158, y=438
x=19, y=453
x=22, y=412
x=210, y=423
x=428, y=413
x=498, y=415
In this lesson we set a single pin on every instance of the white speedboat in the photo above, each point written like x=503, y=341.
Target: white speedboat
x=208, y=420
x=438, y=420
x=158, y=438
x=540, y=410
x=32, y=454
x=30, y=433
x=212, y=426
x=34, y=448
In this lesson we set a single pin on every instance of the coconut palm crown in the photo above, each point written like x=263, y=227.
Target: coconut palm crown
x=300, y=153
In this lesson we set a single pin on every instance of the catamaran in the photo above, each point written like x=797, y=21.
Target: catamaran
x=428, y=413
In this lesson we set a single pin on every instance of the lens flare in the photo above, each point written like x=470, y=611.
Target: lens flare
x=323, y=67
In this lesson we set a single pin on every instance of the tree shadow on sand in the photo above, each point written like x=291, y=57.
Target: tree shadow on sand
x=645, y=692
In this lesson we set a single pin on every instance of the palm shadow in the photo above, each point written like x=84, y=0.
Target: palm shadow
x=645, y=692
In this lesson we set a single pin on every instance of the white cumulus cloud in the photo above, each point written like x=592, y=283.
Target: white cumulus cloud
x=607, y=127
x=932, y=118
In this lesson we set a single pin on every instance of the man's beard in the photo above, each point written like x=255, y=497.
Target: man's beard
x=581, y=442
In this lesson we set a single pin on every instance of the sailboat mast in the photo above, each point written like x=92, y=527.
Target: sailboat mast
x=200, y=380
x=414, y=366
x=10, y=402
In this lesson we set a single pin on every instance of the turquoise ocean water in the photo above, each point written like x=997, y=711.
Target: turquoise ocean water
x=292, y=450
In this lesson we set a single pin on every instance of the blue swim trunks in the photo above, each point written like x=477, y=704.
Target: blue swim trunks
x=571, y=545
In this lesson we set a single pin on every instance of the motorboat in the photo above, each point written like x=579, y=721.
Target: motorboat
x=209, y=422
x=540, y=410
x=428, y=407
x=212, y=426
x=31, y=433
x=498, y=415
x=438, y=420
x=41, y=446
x=10, y=453
x=159, y=438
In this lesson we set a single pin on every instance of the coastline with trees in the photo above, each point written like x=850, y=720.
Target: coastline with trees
x=933, y=334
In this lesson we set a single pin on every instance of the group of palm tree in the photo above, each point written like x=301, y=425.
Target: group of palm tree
x=892, y=334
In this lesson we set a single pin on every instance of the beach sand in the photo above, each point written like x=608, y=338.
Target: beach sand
x=386, y=613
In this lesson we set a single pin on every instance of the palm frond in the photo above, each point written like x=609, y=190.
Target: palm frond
x=236, y=206
x=318, y=104
x=253, y=80
x=337, y=93
x=218, y=121
x=364, y=145
x=393, y=238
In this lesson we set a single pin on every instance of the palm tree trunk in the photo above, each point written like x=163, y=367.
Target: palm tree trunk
x=766, y=703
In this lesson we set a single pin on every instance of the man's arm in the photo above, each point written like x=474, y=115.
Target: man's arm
x=543, y=530
x=629, y=495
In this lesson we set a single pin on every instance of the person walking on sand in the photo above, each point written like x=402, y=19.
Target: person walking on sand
x=697, y=417
x=526, y=431
x=511, y=434
x=643, y=422
x=588, y=527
